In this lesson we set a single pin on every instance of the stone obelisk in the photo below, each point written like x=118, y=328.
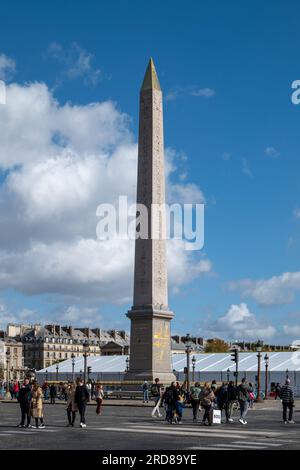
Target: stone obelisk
x=150, y=340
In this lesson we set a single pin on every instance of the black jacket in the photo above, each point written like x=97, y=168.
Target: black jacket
x=24, y=395
x=81, y=394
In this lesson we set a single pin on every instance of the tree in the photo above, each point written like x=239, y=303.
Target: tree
x=216, y=345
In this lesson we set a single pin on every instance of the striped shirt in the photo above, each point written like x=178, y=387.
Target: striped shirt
x=287, y=394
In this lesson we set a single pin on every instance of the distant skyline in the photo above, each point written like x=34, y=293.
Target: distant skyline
x=68, y=141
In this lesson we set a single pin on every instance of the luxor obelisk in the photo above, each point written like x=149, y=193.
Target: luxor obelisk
x=150, y=339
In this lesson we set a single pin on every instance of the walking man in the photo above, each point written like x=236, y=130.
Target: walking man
x=195, y=399
x=155, y=392
x=243, y=398
x=287, y=397
x=24, y=399
x=52, y=394
x=81, y=398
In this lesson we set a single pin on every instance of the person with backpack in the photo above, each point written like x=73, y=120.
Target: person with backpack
x=145, y=388
x=207, y=399
x=243, y=399
x=171, y=397
x=155, y=393
x=195, y=399
x=287, y=398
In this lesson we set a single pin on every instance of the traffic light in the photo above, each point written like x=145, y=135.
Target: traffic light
x=89, y=369
x=235, y=356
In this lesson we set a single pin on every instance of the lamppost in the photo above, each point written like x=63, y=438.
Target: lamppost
x=73, y=367
x=57, y=368
x=287, y=374
x=86, y=348
x=188, y=348
x=228, y=375
x=194, y=360
x=258, y=349
x=7, y=374
x=80, y=373
x=266, y=358
x=46, y=375
x=127, y=363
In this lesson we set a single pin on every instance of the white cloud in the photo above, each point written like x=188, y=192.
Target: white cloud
x=239, y=323
x=271, y=152
x=76, y=62
x=277, y=290
x=205, y=92
x=292, y=330
x=296, y=213
x=7, y=67
x=246, y=169
x=189, y=91
x=61, y=162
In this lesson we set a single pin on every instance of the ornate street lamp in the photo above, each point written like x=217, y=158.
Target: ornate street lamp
x=127, y=363
x=194, y=360
x=73, y=367
x=57, y=369
x=7, y=374
x=258, y=349
x=266, y=358
x=228, y=375
x=46, y=375
x=287, y=374
x=86, y=348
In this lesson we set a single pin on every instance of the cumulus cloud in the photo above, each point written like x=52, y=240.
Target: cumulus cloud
x=240, y=324
x=292, y=330
x=277, y=290
x=58, y=164
x=7, y=67
x=296, y=213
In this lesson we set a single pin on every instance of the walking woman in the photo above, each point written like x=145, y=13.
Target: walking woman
x=207, y=400
x=71, y=405
x=37, y=405
x=99, y=395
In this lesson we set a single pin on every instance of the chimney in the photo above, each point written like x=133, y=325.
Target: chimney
x=57, y=329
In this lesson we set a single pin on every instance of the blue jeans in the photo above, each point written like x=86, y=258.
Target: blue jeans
x=146, y=395
x=244, y=408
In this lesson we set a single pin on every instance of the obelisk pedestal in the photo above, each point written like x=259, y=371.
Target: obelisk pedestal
x=150, y=338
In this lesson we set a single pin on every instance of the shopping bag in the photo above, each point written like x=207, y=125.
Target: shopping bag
x=216, y=416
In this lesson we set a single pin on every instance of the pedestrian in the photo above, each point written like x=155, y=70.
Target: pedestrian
x=99, y=396
x=37, y=406
x=156, y=395
x=195, y=399
x=145, y=388
x=52, y=394
x=243, y=398
x=287, y=397
x=81, y=399
x=16, y=389
x=159, y=402
x=277, y=391
x=89, y=388
x=223, y=401
x=251, y=395
x=171, y=398
x=207, y=399
x=232, y=399
x=24, y=399
x=71, y=405
x=93, y=386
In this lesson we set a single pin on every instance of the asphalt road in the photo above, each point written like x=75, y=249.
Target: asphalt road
x=133, y=428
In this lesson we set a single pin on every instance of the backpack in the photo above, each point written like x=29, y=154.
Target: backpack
x=154, y=390
x=195, y=393
x=169, y=397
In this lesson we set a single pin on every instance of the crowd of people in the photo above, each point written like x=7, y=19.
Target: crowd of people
x=170, y=401
x=226, y=398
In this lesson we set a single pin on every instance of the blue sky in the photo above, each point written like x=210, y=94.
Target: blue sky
x=226, y=70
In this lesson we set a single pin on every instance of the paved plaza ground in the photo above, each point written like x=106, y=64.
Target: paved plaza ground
x=133, y=428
